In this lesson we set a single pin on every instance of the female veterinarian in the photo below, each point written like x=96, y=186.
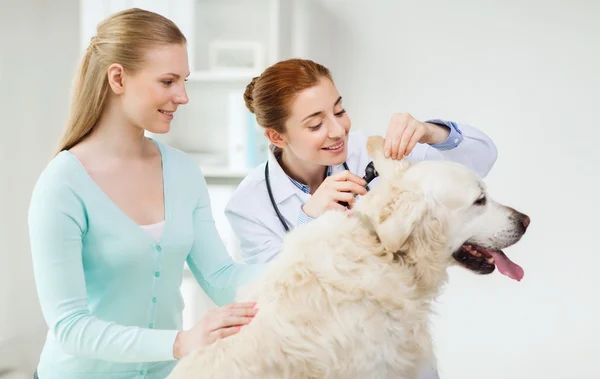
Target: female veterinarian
x=315, y=162
x=111, y=223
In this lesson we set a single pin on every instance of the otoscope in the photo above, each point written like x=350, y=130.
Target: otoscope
x=370, y=174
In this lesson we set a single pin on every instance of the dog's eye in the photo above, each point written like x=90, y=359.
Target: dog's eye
x=481, y=201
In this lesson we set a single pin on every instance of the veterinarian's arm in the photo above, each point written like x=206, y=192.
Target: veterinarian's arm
x=214, y=269
x=57, y=224
x=465, y=144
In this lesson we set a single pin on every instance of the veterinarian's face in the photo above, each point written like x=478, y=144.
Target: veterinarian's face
x=152, y=95
x=317, y=131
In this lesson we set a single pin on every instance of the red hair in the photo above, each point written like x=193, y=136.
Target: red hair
x=270, y=95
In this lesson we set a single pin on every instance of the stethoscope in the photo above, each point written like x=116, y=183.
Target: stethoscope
x=370, y=174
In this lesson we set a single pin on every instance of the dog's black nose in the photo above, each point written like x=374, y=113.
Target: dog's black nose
x=525, y=220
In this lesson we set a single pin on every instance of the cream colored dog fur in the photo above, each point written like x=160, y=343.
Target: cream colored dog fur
x=349, y=296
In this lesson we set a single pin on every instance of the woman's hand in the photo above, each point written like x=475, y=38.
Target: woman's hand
x=216, y=324
x=404, y=131
x=338, y=187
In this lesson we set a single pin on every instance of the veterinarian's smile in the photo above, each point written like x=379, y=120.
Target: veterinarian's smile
x=336, y=148
x=485, y=261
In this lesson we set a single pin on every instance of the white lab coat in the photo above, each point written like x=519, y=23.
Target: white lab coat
x=259, y=230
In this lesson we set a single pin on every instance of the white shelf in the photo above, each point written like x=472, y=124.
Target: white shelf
x=214, y=166
x=222, y=172
x=222, y=76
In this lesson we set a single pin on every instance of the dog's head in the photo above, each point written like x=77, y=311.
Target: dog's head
x=440, y=212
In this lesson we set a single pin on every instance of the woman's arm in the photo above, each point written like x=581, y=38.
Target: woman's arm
x=214, y=269
x=442, y=140
x=57, y=224
x=466, y=145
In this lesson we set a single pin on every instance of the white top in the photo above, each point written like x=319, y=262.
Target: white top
x=155, y=230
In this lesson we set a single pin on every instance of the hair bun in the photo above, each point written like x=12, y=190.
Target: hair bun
x=248, y=94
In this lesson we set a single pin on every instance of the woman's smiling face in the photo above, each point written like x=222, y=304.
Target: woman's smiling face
x=317, y=129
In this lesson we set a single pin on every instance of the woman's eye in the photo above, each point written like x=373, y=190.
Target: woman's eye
x=167, y=82
x=316, y=127
x=341, y=112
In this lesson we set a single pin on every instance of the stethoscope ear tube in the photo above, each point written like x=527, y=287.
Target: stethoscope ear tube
x=273, y=203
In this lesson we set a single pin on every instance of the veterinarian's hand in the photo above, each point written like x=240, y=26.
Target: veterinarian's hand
x=216, y=324
x=404, y=131
x=340, y=186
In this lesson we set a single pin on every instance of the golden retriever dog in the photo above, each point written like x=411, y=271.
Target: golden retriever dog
x=349, y=297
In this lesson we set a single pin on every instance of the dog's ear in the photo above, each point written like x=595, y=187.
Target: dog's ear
x=386, y=167
x=395, y=216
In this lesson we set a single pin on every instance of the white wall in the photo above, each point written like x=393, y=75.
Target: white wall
x=38, y=50
x=526, y=73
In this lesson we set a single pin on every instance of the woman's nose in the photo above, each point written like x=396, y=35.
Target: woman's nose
x=182, y=97
x=336, y=129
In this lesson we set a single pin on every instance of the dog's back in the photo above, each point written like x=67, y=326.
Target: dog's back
x=328, y=308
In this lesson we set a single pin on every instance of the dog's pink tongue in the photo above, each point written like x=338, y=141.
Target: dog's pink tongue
x=507, y=267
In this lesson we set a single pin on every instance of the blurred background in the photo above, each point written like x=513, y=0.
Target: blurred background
x=524, y=72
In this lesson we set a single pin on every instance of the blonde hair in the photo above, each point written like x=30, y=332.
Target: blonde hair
x=122, y=38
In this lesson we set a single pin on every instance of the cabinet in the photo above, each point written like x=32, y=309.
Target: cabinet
x=229, y=43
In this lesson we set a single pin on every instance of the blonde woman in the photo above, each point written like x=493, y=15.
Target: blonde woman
x=111, y=221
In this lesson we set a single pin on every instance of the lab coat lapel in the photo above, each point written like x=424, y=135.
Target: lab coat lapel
x=288, y=197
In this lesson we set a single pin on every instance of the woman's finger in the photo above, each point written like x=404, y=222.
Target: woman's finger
x=387, y=144
x=227, y=320
x=395, y=143
x=229, y=315
x=416, y=137
x=234, y=321
x=219, y=323
x=248, y=304
x=408, y=133
x=243, y=312
x=224, y=332
x=350, y=187
x=347, y=176
x=348, y=197
x=336, y=206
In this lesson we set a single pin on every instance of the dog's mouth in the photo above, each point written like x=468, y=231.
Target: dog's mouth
x=484, y=261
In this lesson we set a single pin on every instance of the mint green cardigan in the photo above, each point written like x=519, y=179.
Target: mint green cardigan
x=109, y=292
